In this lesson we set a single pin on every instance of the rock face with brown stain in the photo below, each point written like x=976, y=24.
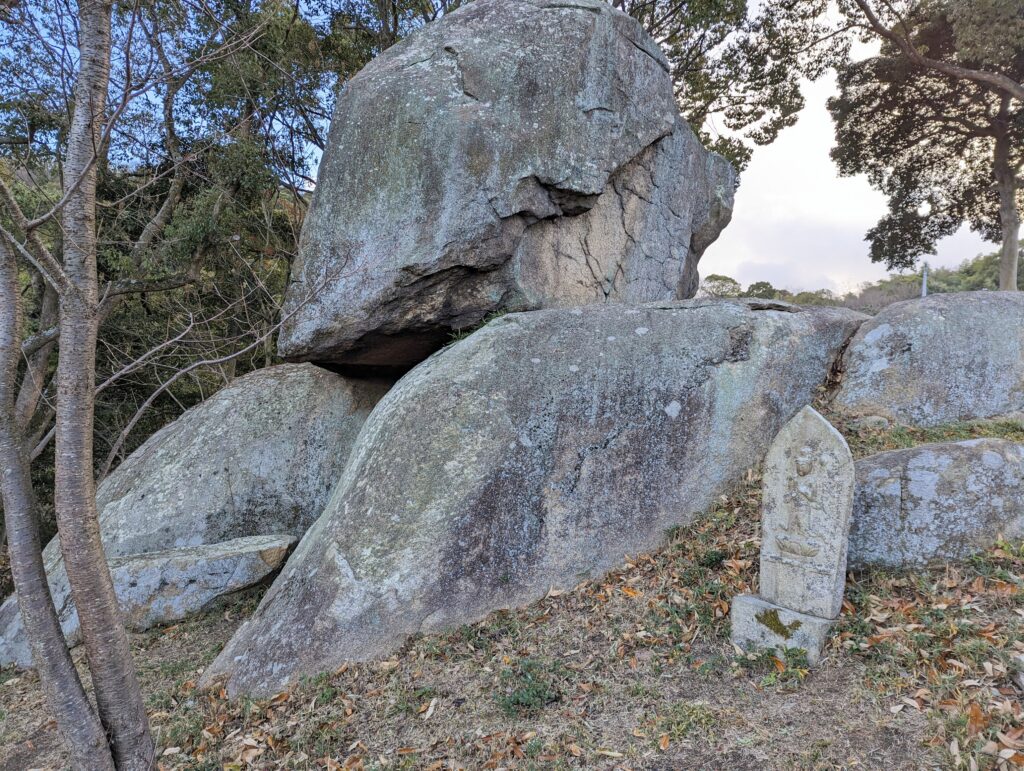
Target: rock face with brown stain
x=260, y=457
x=943, y=359
x=514, y=155
x=936, y=501
x=538, y=451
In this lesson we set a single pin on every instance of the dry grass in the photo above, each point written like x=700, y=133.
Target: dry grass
x=634, y=671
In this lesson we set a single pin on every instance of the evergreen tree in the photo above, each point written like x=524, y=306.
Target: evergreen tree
x=934, y=122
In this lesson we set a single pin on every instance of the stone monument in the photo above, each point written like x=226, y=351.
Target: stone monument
x=805, y=526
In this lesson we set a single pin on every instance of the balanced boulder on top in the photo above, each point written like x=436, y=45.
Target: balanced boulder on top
x=514, y=155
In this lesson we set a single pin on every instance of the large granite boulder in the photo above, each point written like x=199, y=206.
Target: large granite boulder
x=937, y=501
x=537, y=451
x=946, y=358
x=260, y=457
x=515, y=155
x=164, y=586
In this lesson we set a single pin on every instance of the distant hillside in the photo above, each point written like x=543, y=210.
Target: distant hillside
x=982, y=272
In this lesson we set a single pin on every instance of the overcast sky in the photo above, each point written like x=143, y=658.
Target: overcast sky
x=799, y=225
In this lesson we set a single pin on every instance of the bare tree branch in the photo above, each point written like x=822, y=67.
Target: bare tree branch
x=992, y=79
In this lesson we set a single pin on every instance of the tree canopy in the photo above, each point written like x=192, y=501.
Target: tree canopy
x=737, y=75
x=945, y=147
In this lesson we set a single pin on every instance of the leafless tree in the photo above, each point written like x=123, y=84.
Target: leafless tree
x=44, y=405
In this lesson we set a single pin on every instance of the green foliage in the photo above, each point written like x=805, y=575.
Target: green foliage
x=866, y=441
x=927, y=140
x=788, y=667
x=529, y=685
x=763, y=290
x=979, y=273
x=202, y=186
x=717, y=285
x=738, y=69
x=712, y=558
x=988, y=32
x=685, y=720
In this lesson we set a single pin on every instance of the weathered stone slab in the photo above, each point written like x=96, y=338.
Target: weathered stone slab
x=761, y=625
x=161, y=587
x=943, y=359
x=259, y=457
x=936, y=502
x=805, y=522
x=542, y=448
x=165, y=586
x=514, y=155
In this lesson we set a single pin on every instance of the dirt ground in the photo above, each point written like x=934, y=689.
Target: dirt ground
x=437, y=702
x=634, y=671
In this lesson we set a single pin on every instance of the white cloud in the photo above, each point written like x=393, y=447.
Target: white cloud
x=799, y=225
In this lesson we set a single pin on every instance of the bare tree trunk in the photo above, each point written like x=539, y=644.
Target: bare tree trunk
x=1009, y=216
x=118, y=695
x=77, y=723
x=37, y=364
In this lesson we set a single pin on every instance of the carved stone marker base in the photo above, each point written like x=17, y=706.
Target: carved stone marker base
x=760, y=625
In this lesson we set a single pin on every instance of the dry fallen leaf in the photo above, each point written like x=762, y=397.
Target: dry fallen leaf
x=975, y=719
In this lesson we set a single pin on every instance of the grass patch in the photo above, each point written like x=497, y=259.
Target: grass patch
x=866, y=441
x=685, y=721
x=461, y=334
x=529, y=685
x=789, y=668
x=947, y=643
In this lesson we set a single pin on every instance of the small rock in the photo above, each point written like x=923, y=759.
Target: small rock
x=942, y=359
x=936, y=501
x=761, y=625
x=164, y=586
x=259, y=457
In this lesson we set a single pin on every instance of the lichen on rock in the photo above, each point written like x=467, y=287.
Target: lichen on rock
x=541, y=449
x=936, y=501
x=514, y=155
x=942, y=359
x=770, y=619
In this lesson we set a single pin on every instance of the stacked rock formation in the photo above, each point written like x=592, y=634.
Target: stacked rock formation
x=515, y=155
x=526, y=158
